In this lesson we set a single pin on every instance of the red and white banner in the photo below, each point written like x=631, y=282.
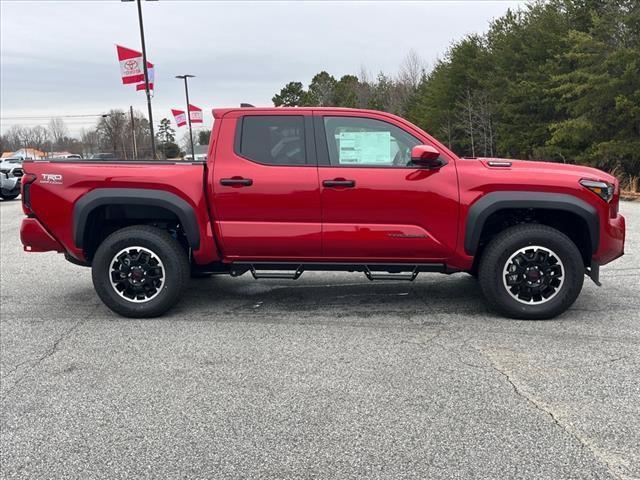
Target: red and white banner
x=151, y=73
x=195, y=113
x=130, y=65
x=180, y=116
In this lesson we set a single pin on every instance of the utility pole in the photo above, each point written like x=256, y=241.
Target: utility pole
x=186, y=92
x=133, y=133
x=124, y=148
x=146, y=77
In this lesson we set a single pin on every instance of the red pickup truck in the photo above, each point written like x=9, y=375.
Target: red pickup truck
x=286, y=190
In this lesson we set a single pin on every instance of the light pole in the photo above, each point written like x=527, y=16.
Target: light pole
x=146, y=75
x=186, y=92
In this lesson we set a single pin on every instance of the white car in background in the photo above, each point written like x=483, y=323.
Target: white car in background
x=10, y=175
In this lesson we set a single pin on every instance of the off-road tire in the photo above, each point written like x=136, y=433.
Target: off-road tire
x=12, y=196
x=175, y=266
x=507, y=243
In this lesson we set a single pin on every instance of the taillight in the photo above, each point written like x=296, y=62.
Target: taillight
x=27, y=180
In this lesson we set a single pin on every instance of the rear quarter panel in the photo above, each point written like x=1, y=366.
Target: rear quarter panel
x=59, y=185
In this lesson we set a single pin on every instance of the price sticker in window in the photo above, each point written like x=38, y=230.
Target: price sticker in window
x=364, y=148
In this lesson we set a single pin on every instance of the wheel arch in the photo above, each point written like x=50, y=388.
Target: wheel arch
x=509, y=201
x=150, y=200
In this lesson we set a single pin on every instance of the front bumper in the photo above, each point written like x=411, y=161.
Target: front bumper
x=612, y=236
x=9, y=185
x=36, y=239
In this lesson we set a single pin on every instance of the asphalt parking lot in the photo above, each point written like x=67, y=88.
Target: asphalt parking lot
x=330, y=376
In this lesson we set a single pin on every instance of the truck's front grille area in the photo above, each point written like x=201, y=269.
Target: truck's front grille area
x=18, y=172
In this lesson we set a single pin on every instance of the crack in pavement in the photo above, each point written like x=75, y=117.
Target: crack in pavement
x=48, y=353
x=14, y=369
x=584, y=443
x=611, y=360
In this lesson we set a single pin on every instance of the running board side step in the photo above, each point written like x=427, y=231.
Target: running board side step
x=409, y=277
x=373, y=271
x=276, y=275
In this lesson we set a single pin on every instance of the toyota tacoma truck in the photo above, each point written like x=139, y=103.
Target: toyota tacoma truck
x=288, y=190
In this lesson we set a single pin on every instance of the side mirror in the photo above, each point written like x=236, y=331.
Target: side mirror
x=427, y=156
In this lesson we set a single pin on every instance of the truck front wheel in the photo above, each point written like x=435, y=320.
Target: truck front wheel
x=531, y=272
x=140, y=271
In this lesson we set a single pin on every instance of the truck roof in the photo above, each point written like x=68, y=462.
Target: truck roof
x=220, y=112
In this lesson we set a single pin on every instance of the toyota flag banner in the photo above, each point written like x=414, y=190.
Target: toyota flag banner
x=131, y=66
x=180, y=116
x=195, y=113
x=151, y=73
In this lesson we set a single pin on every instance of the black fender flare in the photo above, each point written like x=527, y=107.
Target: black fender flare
x=134, y=196
x=509, y=200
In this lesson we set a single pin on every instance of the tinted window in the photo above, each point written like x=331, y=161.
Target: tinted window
x=273, y=140
x=354, y=141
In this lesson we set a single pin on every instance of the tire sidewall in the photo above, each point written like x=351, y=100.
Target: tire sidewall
x=172, y=284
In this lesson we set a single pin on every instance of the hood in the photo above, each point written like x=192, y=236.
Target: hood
x=8, y=165
x=537, y=167
x=11, y=160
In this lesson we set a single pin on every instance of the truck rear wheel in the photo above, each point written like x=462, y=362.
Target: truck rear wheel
x=531, y=272
x=140, y=271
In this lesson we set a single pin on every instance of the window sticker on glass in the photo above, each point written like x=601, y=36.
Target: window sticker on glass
x=369, y=148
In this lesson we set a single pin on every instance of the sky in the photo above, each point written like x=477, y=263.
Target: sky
x=59, y=58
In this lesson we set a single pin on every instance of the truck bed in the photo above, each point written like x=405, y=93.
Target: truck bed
x=59, y=184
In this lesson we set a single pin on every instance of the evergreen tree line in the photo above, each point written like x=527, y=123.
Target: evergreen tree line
x=558, y=80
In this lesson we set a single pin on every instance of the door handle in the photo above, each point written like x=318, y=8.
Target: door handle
x=236, y=182
x=339, y=182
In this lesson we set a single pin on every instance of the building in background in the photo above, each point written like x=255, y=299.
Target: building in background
x=26, y=154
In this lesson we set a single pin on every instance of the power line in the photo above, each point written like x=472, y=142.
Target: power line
x=35, y=117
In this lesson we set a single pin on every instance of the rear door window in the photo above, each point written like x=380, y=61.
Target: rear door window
x=272, y=139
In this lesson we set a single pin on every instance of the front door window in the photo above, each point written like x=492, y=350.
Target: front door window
x=365, y=142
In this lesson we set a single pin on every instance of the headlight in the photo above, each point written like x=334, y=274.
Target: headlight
x=603, y=189
x=5, y=170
